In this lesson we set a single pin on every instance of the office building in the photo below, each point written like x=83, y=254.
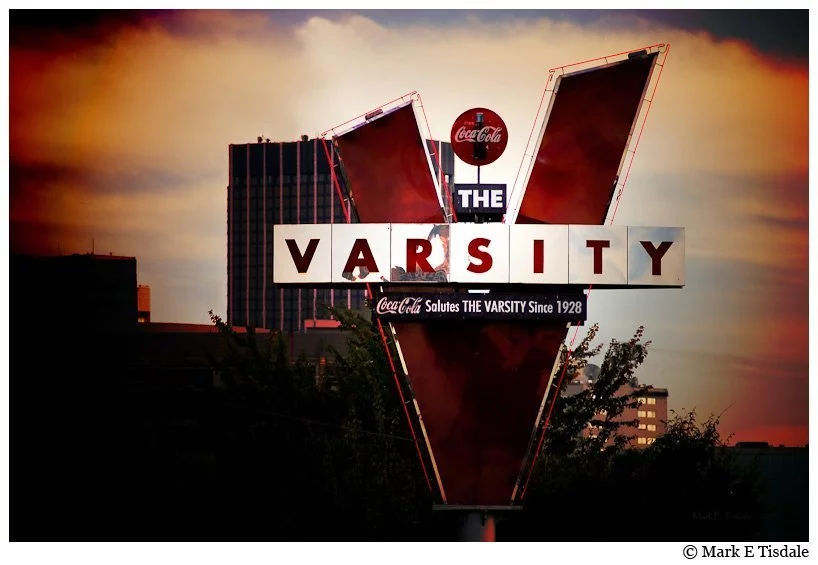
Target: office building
x=75, y=291
x=651, y=414
x=651, y=411
x=143, y=304
x=285, y=183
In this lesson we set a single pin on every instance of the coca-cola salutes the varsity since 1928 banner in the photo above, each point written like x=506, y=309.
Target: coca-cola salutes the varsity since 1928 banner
x=479, y=136
x=408, y=307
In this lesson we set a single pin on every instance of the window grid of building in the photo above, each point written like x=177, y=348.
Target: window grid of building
x=283, y=183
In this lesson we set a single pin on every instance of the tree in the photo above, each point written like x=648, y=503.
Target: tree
x=326, y=445
x=711, y=497
x=308, y=452
x=601, y=405
x=598, y=488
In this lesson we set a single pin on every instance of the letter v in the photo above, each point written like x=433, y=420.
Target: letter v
x=302, y=262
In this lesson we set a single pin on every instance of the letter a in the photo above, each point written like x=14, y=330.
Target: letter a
x=360, y=256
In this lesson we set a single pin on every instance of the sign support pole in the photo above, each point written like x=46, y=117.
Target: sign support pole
x=479, y=523
x=478, y=526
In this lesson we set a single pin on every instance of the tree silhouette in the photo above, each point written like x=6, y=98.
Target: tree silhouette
x=330, y=435
x=598, y=488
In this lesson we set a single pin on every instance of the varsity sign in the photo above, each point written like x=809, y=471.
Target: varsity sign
x=479, y=253
x=471, y=306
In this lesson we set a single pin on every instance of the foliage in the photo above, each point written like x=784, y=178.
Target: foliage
x=332, y=448
x=331, y=437
x=291, y=449
x=600, y=405
x=580, y=483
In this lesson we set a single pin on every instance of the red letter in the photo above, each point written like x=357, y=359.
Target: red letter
x=361, y=256
x=485, y=259
x=302, y=262
x=418, y=257
x=656, y=254
x=539, y=252
x=598, y=245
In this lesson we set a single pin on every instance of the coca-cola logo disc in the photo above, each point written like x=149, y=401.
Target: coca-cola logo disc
x=479, y=136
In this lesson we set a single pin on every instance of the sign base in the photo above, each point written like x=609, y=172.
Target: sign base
x=479, y=522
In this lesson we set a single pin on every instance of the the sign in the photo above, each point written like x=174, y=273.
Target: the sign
x=479, y=387
x=479, y=198
x=408, y=307
x=488, y=253
x=479, y=136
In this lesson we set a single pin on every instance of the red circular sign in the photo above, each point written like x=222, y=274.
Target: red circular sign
x=479, y=136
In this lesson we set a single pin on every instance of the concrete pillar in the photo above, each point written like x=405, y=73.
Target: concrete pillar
x=478, y=526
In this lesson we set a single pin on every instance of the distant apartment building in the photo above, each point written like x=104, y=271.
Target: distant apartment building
x=651, y=412
x=143, y=304
x=285, y=183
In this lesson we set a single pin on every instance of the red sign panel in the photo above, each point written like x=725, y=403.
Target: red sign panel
x=575, y=172
x=479, y=386
x=479, y=136
x=387, y=171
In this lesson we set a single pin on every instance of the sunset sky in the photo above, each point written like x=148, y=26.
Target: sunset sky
x=119, y=128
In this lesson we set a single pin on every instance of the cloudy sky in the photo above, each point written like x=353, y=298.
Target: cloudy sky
x=119, y=127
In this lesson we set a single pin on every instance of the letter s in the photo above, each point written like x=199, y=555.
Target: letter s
x=484, y=257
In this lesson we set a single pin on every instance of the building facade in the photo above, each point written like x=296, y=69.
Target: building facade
x=85, y=291
x=284, y=183
x=143, y=304
x=650, y=413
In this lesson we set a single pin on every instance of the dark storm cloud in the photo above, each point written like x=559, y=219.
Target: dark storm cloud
x=783, y=33
x=25, y=177
x=45, y=29
x=780, y=33
x=42, y=29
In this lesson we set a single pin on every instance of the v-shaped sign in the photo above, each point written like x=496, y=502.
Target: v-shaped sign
x=479, y=385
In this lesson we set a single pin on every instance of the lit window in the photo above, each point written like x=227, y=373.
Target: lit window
x=642, y=440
